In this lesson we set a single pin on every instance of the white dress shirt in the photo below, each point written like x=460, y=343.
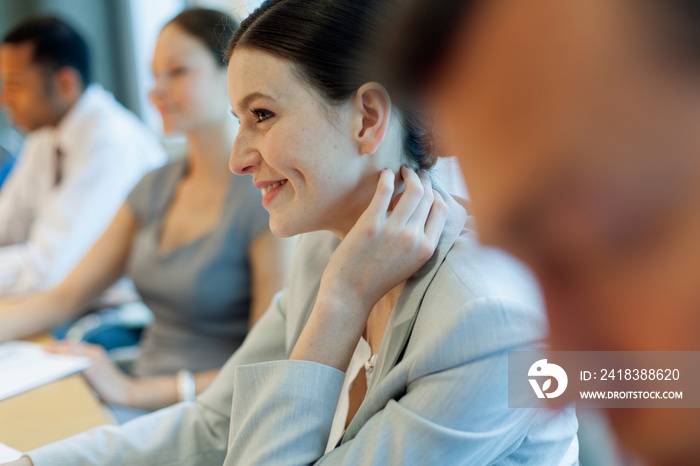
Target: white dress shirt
x=46, y=229
x=362, y=357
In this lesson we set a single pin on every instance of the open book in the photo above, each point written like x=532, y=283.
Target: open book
x=24, y=366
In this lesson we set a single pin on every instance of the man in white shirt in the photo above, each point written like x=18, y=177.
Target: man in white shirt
x=83, y=154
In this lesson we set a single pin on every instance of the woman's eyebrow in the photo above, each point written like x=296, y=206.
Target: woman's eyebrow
x=245, y=101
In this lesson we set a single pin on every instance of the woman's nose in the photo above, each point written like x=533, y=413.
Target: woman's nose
x=245, y=158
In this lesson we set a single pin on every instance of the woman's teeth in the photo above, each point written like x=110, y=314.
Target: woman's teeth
x=269, y=188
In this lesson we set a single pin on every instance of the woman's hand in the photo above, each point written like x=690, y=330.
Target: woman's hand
x=23, y=461
x=110, y=383
x=382, y=250
x=385, y=247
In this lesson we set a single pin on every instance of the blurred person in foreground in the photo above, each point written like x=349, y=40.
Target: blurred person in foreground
x=577, y=128
x=83, y=154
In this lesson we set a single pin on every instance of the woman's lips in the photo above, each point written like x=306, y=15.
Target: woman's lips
x=270, y=190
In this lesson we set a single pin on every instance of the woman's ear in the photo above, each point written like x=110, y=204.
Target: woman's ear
x=372, y=107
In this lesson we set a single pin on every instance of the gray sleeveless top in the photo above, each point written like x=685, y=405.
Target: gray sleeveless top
x=199, y=292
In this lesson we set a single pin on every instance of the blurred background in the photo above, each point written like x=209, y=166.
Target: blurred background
x=121, y=35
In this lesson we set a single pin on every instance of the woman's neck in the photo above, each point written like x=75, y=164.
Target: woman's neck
x=354, y=210
x=208, y=151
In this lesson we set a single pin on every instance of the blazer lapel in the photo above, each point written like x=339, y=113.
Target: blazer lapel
x=403, y=317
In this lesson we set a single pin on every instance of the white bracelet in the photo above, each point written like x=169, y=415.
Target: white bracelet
x=185, y=385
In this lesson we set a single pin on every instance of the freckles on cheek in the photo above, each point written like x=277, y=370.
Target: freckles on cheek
x=287, y=151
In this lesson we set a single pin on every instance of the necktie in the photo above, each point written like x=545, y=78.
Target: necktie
x=58, y=161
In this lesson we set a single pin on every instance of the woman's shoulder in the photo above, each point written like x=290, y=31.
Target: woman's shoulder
x=170, y=173
x=480, y=271
x=166, y=175
x=481, y=300
x=155, y=188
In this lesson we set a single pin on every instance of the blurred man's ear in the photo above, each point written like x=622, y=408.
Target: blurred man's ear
x=68, y=84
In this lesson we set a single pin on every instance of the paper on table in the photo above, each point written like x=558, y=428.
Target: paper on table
x=8, y=454
x=25, y=365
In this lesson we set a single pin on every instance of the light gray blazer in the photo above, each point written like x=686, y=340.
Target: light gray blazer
x=438, y=395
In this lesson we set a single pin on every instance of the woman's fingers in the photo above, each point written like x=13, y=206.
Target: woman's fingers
x=420, y=215
x=61, y=347
x=382, y=196
x=436, y=219
x=73, y=348
x=384, y=248
x=412, y=194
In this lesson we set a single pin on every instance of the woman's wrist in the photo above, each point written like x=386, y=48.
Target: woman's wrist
x=332, y=331
x=337, y=297
x=152, y=393
x=123, y=393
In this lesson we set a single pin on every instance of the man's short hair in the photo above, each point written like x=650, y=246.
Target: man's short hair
x=56, y=44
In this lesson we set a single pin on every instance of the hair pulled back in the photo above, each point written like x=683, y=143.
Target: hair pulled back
x=328, y=42
x=212, y=27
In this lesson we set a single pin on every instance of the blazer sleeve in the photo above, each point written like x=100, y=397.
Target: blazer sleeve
x=454, y=409
x=185, y=434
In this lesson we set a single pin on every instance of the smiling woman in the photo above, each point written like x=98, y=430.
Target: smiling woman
x=389, y=343
x=315, y=132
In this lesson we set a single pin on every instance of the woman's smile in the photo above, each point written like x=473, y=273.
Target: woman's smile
x=270, y=189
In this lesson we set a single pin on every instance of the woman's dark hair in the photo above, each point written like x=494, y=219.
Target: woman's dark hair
x=56, y=44
x=212, y=27
x=328, y=42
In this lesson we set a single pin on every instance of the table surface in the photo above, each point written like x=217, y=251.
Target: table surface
x=50, y=413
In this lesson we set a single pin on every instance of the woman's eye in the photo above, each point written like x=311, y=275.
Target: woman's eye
x=260, y=114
